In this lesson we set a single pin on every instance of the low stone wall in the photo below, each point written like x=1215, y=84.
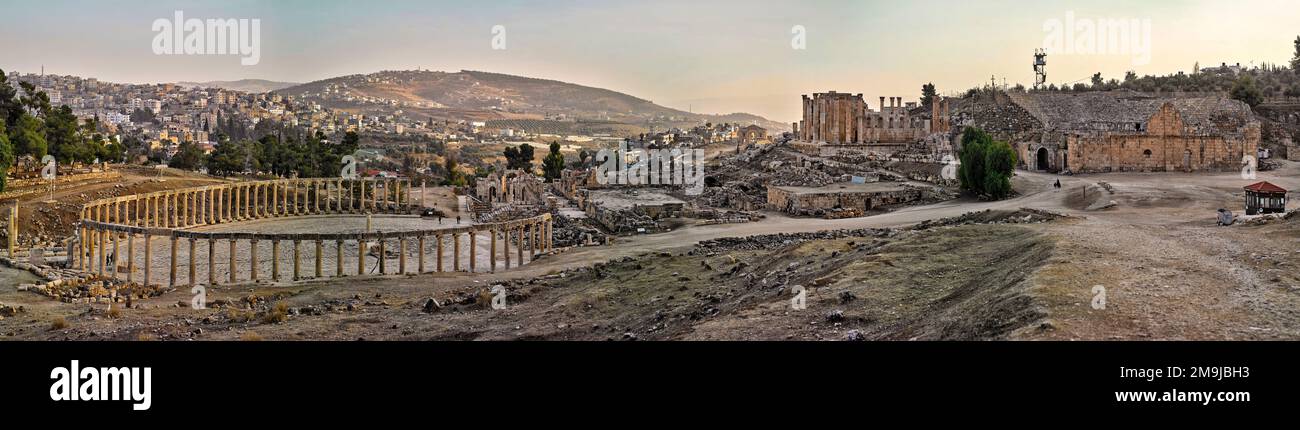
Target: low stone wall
x=837, y=204
x=109, y=224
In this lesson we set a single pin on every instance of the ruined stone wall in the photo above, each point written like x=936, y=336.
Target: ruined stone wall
x=1166, y=146
x=841, y=118
x=819, y=204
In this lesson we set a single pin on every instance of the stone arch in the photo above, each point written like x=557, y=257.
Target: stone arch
x=1043, y=159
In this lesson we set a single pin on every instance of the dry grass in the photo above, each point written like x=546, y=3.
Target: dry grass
x=146, y=337
x=279, y=314
x=59, y=323
x=238, y=315
x=114, y=311
x=249, y=336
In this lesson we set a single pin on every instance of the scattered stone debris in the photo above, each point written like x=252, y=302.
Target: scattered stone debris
x=753, y=243
x=989, y=216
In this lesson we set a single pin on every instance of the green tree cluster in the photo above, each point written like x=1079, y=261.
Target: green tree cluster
x=986, y=165
x=553, y=164
x=520, y=158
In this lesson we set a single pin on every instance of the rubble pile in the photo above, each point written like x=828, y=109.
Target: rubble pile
x=989, y=216
x=739, y=195
x=770, y=241
x=628, y=220
x=573, y=232
x=799, y=177
x=726, y=216
x=94, y=290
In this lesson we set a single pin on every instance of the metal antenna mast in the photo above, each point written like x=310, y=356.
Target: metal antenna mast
x=1040, y=68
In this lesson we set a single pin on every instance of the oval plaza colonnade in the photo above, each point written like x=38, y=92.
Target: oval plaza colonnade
x=170, y=216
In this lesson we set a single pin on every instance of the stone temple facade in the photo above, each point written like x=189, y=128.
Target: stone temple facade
x=845, y=119
x=1128, y=131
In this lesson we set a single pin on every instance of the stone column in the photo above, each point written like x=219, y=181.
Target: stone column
x=319, y=250
x=473, y=238
x=401, y=255
x=361, y=256
x=297, y=261
x=212, y=261
x=193, y=274
x=455, y=252
x=420, y=253
x=492, y=252
x=338, y=256
x=438, y=238
x=148, y=257
x=505, y=245
x=275, y=260
x=130, y=258
x=233, y=268
x=532, y=239
x=252, y=260
x=171, y=275
x=338, y=189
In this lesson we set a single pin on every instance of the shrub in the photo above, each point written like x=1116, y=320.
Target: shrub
x=238, y=316
x=249, y=336
x=986, y=164
x=59, y=323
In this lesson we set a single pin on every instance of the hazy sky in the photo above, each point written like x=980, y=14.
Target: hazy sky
x=709, y=56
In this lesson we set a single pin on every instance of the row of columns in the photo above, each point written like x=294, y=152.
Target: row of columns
x=248, y=201
x=533, y=236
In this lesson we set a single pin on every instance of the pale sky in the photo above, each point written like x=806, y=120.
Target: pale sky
x=707, y=56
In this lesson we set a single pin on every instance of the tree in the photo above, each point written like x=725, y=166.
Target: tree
x=10, y=108
x=66, y=141
x=1246, y=91
x=927, y=94
x=1295, y=61
x=189, y=157
x=455, y=177
x=1130, y=76
x=1097, y=81
x=1293, y=91
x=27, y=138
x=971, y=170
x=986, y=165
x=553, y=165
x=520, y=158
x=999, y=163
x=232, y=158
x=6, y=153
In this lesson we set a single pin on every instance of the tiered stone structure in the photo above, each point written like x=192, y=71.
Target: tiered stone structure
x=1128, y=131
x=107, y=224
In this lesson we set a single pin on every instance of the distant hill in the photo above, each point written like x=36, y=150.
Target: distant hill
x=492, y=96
x=245, y=85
